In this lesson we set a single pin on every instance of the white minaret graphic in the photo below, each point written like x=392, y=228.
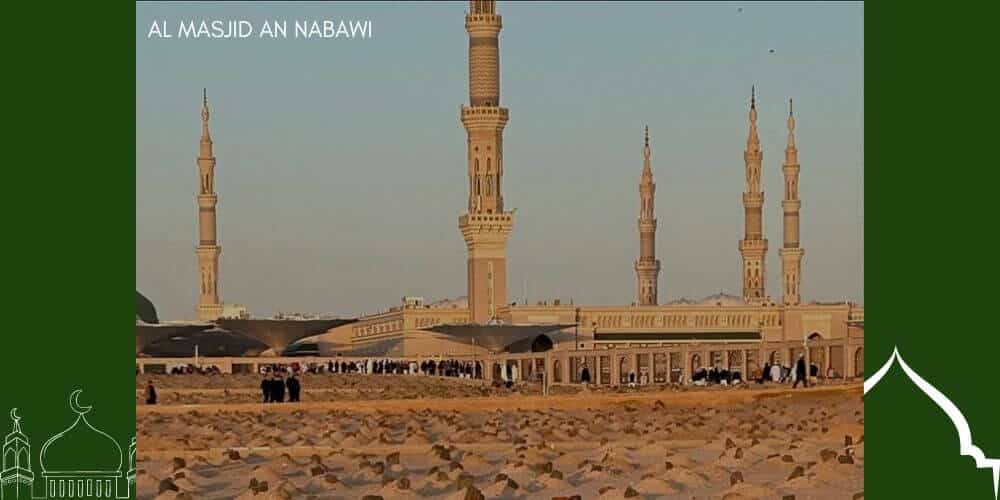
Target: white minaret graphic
x=17, y=478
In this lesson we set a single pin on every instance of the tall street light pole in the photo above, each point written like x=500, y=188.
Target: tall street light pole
x=576, y=335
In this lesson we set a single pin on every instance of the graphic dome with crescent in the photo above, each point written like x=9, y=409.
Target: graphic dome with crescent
x=81, y=447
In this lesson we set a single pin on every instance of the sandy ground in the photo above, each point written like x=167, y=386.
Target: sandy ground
x=460, y=442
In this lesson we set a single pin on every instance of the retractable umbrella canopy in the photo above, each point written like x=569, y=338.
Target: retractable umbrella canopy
x=495, y=338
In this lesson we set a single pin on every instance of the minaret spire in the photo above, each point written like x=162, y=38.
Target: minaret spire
x=647, y=267
x=209, y=308
x=791, y=131
x=206, y=137
x=753, y=246
x=753, y=141
x=791, y=252
x=647, y=170
x=486, y=225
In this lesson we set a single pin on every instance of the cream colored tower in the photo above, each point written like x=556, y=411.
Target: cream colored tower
x=753, y=246
x=791, y=251
x=647, y=268
x=209, y=307
x=486, y=225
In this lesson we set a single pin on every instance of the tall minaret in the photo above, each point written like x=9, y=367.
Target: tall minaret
x=753, y=246
x=209, y=308
x=647, y=268
x=486, y=225
x=791, y=252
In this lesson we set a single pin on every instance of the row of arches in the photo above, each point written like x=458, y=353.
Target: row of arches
x=657, y=368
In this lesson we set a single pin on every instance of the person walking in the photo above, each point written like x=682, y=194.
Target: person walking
x=265, y=389
x=800, y=373
x=277, y=389
x=150, y=393
x=776, y=373
x=294, y=388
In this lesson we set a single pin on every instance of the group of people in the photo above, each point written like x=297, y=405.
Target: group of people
x=701, y=376
x=716, y=375
x=190, y=369
x=281, y=378
x=438, y=367
x=785, y=374
x=273, y=388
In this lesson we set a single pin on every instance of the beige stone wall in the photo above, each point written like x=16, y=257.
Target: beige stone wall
x=403, y=328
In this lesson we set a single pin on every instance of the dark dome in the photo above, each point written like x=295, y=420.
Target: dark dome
x=144, y=309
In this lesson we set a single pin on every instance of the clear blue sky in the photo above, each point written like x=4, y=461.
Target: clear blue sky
x=341, y=163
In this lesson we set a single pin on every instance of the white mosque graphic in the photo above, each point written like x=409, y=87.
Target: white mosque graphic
x=64, y=475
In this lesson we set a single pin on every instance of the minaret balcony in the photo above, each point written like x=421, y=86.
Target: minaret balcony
x=791, y=253
x=484, y=114
x=651, y=266
x=492, y=21
x=751, y=245
x=752, y=199
x=207, y=200
x=486, y=218
x=208, y=249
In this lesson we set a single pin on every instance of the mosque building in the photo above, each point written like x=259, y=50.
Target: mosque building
x=412, y=330
x=486, y=321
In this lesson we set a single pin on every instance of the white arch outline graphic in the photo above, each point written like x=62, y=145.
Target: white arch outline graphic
x=967, y=448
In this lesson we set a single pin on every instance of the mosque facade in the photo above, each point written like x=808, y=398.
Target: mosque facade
x=409, y=329
x=751, y=317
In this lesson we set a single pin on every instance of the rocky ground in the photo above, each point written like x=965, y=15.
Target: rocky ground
x=693, y=444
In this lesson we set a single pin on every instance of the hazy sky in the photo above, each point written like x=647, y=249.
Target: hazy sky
x=341, y=163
